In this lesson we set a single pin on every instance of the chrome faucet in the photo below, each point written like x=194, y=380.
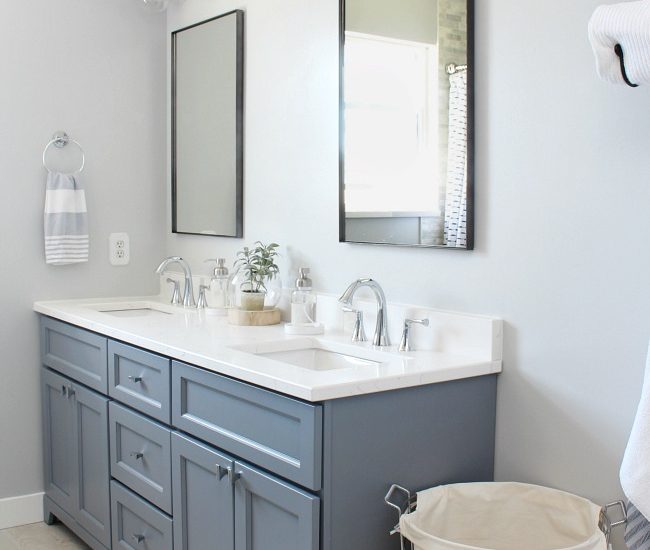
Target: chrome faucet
x=188, y=290
x=381, y=329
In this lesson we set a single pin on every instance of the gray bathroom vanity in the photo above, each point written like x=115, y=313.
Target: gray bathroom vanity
x=147, y=450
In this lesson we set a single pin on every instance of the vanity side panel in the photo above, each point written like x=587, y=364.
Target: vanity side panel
x=416, y=437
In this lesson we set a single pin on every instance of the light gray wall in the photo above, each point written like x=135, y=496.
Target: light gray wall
x=561, y=225
x=97, y=70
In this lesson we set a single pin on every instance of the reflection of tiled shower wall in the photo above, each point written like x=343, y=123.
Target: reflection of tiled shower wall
x=452, y=48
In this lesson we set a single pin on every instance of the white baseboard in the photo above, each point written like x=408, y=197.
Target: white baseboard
x=22, y=510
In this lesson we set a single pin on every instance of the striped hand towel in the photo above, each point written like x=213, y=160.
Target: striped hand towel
x=66, y=220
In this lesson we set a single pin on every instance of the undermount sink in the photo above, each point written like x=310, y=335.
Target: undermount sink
x=317, y=355
x=131, y=309
x=319, y=359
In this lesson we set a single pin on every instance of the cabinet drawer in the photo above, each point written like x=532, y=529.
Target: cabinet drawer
x=136, y=523
x=75, y=352
x=278, y=433
x=139, y=379
x=141, y=455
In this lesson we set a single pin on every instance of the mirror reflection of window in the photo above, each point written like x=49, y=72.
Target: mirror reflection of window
x=406, y=155
x=391, y=121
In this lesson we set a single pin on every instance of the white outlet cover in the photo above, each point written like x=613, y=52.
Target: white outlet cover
x=119, y=249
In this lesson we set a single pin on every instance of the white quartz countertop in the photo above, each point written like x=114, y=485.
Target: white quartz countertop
x=209, y=341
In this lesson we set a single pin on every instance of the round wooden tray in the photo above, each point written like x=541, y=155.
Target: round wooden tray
x=240, y=317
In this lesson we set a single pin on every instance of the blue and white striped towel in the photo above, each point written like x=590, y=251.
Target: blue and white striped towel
x=65, y=221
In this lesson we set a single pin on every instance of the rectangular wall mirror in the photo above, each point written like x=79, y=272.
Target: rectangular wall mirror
x=207, y=127
x=406, y=142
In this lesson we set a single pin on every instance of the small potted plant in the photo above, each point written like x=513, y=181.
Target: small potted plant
x=258, y=266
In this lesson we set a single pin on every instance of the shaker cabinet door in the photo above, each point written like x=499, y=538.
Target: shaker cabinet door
x=59, y=441
x=93, y=472
x=203, y=496
x=273, y=515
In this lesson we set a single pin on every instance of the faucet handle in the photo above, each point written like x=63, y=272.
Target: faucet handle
x=423, y=322
x=358, y=333
x=176, y=293
x=202, y=301
x=405, y=342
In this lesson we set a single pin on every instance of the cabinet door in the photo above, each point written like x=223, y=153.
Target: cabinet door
x=92, y=463
x=59, y=441
x=203, y=496
x=273, y=515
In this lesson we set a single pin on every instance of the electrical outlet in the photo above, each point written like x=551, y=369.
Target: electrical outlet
x=119, y=252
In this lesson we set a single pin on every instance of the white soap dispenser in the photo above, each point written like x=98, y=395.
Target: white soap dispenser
x=303, y=307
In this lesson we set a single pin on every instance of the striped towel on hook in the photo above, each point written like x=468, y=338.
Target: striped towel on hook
x=65, y=221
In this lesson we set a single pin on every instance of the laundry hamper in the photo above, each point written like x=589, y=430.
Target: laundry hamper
x=500, y=516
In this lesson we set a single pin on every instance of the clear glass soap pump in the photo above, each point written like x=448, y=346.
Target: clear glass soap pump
x=303, y=300
x=219, y=284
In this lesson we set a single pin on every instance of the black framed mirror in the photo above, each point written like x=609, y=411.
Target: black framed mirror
x=406, y=102
x=207, y=127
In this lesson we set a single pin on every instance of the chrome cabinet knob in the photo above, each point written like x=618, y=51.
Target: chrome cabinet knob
x=233, y=476
x=135, y=379
x=139, y=539
x=223, y=471
x=137, y=455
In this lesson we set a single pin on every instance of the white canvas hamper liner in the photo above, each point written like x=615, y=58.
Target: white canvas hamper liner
x=502, y=516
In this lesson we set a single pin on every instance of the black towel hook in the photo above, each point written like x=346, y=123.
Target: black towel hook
x=618, y=49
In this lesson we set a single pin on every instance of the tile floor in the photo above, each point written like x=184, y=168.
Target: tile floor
x=39, y=536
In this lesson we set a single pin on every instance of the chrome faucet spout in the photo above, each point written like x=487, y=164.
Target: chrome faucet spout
x=381, y=329
x=188, y=289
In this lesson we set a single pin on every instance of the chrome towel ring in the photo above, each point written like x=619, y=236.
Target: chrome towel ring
x=60, y=140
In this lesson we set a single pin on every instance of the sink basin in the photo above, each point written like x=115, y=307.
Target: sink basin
x=143, y=312
x=319, y=359
x=318, y=355
x=132, y=309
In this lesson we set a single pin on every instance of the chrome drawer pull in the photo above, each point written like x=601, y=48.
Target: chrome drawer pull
x=137, y=455
x=221, y=472
x=64, y=390
x=139, y=538
x=135, y=379
x=71, y=391
x=233, y=476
